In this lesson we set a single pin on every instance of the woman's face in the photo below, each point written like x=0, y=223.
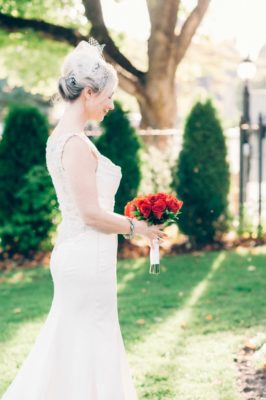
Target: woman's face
x=98, y=105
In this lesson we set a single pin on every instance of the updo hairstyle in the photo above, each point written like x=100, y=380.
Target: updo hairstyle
x=83, y=67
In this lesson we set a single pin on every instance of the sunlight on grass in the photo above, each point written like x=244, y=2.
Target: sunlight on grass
x=201, y=287
x=126, y=278
x=14, y=351
x=244, y=251
x=16, y=277
x=206, y=367
x=182, y=329
x=161, y=348
x=181, y=317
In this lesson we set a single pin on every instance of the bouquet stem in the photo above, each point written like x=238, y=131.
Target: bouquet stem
x=155, y=258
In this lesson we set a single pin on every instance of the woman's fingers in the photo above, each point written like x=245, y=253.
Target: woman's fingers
x=162, y=234
x=156, y=232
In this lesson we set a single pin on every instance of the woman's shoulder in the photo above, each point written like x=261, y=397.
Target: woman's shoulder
x=63, y=135
x=78, y=147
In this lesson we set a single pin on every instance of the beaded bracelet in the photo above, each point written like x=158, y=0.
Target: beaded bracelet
x=132, y=229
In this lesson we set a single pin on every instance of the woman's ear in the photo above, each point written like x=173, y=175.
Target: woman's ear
x=87, y=92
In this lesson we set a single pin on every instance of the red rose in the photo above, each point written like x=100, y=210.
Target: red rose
x=129, y=208
x=173, y=203
x=180, y=203
x=152, y=198
x=144, y=207
x=161, y=196
x=137, y=199
x=158, y=208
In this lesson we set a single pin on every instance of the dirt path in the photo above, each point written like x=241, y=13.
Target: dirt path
x=251, y=383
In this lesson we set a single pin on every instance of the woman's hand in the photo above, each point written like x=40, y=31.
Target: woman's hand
x=152, y=232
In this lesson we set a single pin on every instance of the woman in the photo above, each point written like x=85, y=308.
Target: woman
x=79, y=353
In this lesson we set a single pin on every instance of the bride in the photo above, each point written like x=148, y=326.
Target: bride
x=79, y=353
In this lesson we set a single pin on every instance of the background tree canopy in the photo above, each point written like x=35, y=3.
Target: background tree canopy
x=42, y=42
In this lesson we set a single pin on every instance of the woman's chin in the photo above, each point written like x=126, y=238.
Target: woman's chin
x=102, y=117
x=97, y=118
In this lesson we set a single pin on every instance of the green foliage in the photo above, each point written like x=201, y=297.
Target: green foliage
x=37, y=61
x=31, y=225
x=22, y=146
x=201, y=176
x=53, y=11
x=26, y=195
x=121, y=144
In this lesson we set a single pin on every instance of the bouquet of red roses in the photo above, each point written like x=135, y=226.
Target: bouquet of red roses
x=157, y=208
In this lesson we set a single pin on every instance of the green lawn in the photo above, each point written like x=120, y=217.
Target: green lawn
x=182, y=329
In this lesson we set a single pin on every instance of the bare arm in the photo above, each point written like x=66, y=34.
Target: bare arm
x=79, y=164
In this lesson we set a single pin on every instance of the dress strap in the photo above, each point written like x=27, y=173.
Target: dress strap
x=92, y=145
x=57, y=143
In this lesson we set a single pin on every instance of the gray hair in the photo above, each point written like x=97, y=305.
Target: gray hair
x=85, y=67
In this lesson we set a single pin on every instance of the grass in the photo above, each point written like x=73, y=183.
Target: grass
x=182, y=329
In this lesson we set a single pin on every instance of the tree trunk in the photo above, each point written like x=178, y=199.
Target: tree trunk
x=158, y=108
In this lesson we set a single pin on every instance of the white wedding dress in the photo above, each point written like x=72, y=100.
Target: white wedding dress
x=79, y=353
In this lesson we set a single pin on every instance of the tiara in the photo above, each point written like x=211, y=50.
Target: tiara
x=91, y=44
x=94, y=42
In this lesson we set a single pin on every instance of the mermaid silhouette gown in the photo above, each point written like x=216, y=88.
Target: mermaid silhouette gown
x=79, y=353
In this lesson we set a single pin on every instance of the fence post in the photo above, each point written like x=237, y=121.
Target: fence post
x=261, y=135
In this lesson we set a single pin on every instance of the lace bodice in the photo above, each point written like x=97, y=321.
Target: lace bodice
x=108, y=176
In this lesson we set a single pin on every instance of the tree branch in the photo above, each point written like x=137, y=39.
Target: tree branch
x=93, y=11
x=130, y=84
x=70, y=36
x=189, y=28
x=163, y=15
x=49, y=31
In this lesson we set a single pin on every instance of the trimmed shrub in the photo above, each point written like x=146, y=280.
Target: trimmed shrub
x=30, y=227
x=21, y=149
x=201, y=176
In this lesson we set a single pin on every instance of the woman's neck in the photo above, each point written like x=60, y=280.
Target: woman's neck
x=72, y=120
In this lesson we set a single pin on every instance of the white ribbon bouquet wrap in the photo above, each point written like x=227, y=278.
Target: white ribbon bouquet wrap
x=155, y=257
